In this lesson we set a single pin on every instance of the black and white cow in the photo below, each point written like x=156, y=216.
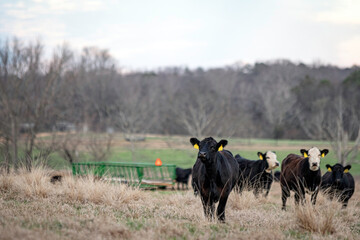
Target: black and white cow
x=215, y=173
x=256, y=175
x=338, y=183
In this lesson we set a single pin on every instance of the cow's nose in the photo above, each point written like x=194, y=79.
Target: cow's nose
x=277, y=164
x=337, y=180
x=202, y=154
x=314, y=164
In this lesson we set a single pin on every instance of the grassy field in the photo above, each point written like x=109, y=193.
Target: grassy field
x=81, y=208
x=177, y=150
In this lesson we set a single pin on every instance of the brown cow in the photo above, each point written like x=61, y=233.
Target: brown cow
x=301, y=174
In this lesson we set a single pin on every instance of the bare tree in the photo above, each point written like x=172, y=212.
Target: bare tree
x=272, y=86
x=328, y=112
x=135, y=108
x=12, y=70
x=343, y=123
x=100, y=147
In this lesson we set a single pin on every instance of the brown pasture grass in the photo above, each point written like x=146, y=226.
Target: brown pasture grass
x=85, y=208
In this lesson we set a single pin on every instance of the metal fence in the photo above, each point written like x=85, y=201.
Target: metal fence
x=138, y=174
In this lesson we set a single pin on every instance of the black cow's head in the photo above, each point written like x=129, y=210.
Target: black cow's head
x=337, y=172
x=208, y=148
x=314, y=155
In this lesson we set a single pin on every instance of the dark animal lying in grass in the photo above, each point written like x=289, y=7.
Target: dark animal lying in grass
x=256, y=174
x=338, y=183
x=214, y=175
x=182, y=177
x=56, y=178
x=301, y=174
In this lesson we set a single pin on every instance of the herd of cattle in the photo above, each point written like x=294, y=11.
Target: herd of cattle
x=217, y=172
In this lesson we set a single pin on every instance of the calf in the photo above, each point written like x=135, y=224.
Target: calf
x=215, y=173
x=256, y=175
x=338, y=183
x=301, y=174
x=182, y=176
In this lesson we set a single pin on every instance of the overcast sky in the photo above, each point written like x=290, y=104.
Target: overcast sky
x=148, y=34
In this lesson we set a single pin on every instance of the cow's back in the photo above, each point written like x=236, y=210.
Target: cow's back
x=291, y=160
x=290, y=168
x=228, y=167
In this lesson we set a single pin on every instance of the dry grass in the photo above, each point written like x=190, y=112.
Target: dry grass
x=80, y=208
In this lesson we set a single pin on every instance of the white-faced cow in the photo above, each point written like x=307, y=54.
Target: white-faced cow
x=339, y=183
x=301, y=174
x=256, y=174
x=215, y=173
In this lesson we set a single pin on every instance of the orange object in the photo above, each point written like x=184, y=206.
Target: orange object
x=158, y=162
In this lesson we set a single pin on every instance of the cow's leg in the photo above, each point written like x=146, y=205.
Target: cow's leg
x=285, y=193
x=297, y=198
x=267, y=192
x=208, y=206
x=314, y=196
x=267, y=188
x=212, y=211
x=178, y=185
x=256, y=191
x=221, y=208
x=345, y=198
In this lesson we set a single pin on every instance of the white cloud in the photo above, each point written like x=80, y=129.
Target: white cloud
x=342, y=12
x=349, y=51
x=37, y=8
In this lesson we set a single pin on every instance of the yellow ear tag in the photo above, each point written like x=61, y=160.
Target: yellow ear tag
x=346, y=170
x=261, y=157
x=220, y=148
x=305, y=154
x=196, y=146
x=323, y=155
x=329, y=169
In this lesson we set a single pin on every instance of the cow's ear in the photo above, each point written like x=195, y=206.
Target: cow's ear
x=220, y=145
x=261, y=156
x=304, y=152
x=195, y=142
x=347, y=168
x=328, y=167
x=324, y=152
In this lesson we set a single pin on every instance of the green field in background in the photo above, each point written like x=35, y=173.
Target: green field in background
x=186, y=158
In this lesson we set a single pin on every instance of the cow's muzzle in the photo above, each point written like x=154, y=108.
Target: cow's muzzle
x=202, y=155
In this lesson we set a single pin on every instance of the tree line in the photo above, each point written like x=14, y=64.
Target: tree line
x=89, y=91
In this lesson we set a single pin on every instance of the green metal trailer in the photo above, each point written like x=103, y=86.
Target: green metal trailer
x=135, y=174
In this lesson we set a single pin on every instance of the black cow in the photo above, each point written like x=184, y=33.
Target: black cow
x=338, y=183
x=301, y=174
x=215, y=173
x=256, y=174
x=277, y=176
x=182, y=176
